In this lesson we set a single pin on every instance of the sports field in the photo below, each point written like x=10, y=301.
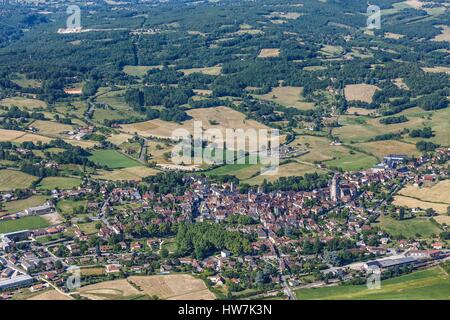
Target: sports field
x=30, y=223
x=430, y=284
x=113, y=159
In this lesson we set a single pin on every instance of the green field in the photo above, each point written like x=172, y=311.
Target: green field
x=11, y=179
x=112, y=159
x=67, y=206
x=353, y=162
x=138, y=71
x=61, y=183
x=20, y=205
x=409, y=228
x=240, y=171
x=34, y=222
x=88, y=228
x=117, y=107
x=427, y=284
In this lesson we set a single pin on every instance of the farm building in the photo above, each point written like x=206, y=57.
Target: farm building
x=390, y=263
x=44, y=209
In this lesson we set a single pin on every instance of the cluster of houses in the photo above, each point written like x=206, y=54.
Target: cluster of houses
x=272, y=214
x=80, y=132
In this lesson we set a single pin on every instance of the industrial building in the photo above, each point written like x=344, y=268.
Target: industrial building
x=16, y=282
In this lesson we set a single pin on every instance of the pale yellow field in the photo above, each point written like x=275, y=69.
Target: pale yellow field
x=11, y=179
x=416, y=4
x=197, y=33
x=445, y=34
x=443, y=219
x=360, y=92
x=401, y=84
x=82, y=143
x=224, y=116
x=247, y=31
x=437, y=70
x=51, y=295
x=133, y=173
x=286, y=170
x=23, y=103
x=170, y=287
x=203, y=92
x=20, y=136
x=278, y=21
x=391, y=35
x=109, y=290
x=51, y=128
x=383, y=148
x=439, y=192
x=212, y=71
x=314, y=68
x=269, y=53
x=173, y=287
x=287, y=96
x=284, y=15
x=414, y=203
x=96, y=271
x=156, y=151
x=10, y=135
x=360, y=111
x=118, y=139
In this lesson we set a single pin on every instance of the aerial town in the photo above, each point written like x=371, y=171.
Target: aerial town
x=275, y=241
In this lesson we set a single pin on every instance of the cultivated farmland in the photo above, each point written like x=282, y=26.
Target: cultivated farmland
x=112, y=159
x=173, y=287
x=287, y=96
x=360, y=92
x=11, y=179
